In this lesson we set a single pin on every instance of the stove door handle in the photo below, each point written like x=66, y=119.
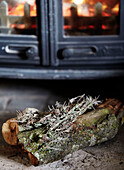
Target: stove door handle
x=73, y=52
x=28, y=51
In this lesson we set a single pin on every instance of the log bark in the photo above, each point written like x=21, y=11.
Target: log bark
x=49, y=143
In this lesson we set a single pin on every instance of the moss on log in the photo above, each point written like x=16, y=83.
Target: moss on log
x=82, y=122
x=91, y=128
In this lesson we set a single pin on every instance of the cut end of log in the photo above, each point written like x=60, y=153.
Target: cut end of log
x=10, y=131
x=33, y=159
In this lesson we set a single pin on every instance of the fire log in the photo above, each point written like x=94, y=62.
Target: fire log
x=82, y=122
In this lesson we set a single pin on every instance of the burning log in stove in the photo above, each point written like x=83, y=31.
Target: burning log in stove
x=82, y=122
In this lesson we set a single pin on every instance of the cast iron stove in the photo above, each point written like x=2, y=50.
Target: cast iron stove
x=61, y=39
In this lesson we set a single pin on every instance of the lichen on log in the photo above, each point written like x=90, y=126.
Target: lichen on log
x=83, y=121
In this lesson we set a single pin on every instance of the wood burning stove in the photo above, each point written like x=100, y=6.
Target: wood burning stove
x=61, y=39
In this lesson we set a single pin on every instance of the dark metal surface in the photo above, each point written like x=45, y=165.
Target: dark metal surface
x=85, y=57
x=57, y=74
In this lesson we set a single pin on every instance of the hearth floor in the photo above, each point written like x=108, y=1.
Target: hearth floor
x=17, y=96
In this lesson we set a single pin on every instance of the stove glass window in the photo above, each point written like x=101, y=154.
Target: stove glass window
x=91, y=17
x=18, y=17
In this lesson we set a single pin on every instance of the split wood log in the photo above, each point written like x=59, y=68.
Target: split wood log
x=10, y=131
x=65, y=128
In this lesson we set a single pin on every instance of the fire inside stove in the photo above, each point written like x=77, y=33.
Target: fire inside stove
x=91, y=17
x=18, y=17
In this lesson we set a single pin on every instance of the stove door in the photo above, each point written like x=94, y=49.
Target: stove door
x=88, y=32
x=18, y=32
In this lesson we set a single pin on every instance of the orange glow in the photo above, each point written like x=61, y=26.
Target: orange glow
x=66, y=10
x=106, y=14
x=91, y=26
x=83, y=10
x=67, y=27
x=20, y=26
x=87, y=27
x=104, y=7
x=33, y=11
x=19, y=10
x=116, y=9
x=78, y=1
x=88, y=9
x=104, y=27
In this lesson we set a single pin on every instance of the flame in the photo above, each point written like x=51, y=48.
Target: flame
x=104, y=6
x=116, y=9
x=83, y=10
x=78, y=2
x=66, y=9
x=88, y=9
x=19, y=10
x=20, y=26
x=33, y=11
